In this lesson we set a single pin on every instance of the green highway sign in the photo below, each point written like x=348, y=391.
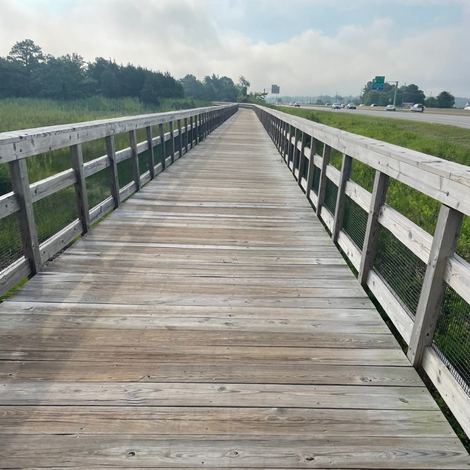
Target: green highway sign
x=378, y=83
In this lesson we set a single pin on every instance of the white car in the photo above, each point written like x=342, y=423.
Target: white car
x=336, y=106
x=351, y=106
x=417, y=108
x=390, y=107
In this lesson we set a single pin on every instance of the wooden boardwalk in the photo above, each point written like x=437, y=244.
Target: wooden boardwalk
x=210, y=322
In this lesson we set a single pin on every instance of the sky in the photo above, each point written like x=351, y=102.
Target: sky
x=307, y=47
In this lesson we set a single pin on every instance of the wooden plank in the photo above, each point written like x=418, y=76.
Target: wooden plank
x=8, y=205
x=211, y=421
x=433, y=289
x=395, y=310
x=452, y=392
x=14, y=274
x=235, y=451
x=26, y=221
x=359, y=195
x=194, y=372
x=216, y=394
x=60, y=240
x=411, y=235
x=51, y=185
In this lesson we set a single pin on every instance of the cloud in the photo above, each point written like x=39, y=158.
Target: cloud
x=182, y=36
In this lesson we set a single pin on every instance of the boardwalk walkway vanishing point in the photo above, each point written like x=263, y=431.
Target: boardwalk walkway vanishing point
x=210, y=322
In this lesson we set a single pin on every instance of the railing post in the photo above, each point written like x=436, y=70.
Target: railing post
x=371, y=238
x=135, y=159
x=163, y=144
x=172, y=142
x=150, y=157
x=323, y=178
x=433, y=290
x=191, y=135
x=186, y=134
x=113, y=170
x=27, y=223
x=285, y=142
x=81, y=198
x=180, y=139
x=311, y=170
x=341, y=197
x=295, y=155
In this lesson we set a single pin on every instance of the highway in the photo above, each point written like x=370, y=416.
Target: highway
x=427, y=116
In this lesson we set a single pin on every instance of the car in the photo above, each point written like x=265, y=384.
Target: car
x=327, y=104
x=351, y=106
x=390, y=107
x=372, y=105
x=467, y=108
x=417, y=108
x=362, y=104
x=336, y=106
x=297, y=105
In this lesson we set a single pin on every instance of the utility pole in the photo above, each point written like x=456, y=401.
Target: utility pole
x=396, y=88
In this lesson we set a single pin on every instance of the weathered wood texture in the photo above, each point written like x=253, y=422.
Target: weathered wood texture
x=210, y=322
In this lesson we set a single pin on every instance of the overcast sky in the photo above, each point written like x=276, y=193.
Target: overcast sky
x=308, y=47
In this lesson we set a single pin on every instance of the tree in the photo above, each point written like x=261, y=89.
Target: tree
x=412, y=94
x=431, y=102
x=445, y=100
x=243, y=85
x=109, y=84
x=66, y=78
x=28, y=57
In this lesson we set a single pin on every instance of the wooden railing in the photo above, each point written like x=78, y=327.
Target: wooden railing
x=15, y=147
x=446, y=182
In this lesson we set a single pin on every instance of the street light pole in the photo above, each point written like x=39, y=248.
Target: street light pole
x=396, y=88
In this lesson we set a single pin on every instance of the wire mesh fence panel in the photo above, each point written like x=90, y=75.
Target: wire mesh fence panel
x=401, y=269
x=355, y=222
x=125, y=172
x=463, y=244
x=93, y=149
x=157, y=154
x=11, y=246
x=143, y=162
x=98, y=187
x=48, y=164
x=54, y=213
x=5, y=181
x=452, y=336
x=316, y=179
x=304, y=167
x=331, y=195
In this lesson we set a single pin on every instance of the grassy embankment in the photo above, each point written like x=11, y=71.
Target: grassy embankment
x=57, y=211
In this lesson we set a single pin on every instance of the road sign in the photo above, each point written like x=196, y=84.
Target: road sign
x=378, y=83
x=275, y=89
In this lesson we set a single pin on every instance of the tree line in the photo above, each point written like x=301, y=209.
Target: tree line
x=27, y=72
x=405, y=94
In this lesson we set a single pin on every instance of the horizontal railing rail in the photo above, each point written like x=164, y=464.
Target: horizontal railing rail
x=418, y=279
x=21, y=210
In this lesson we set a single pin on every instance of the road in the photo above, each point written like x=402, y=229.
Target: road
x=427, y=116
